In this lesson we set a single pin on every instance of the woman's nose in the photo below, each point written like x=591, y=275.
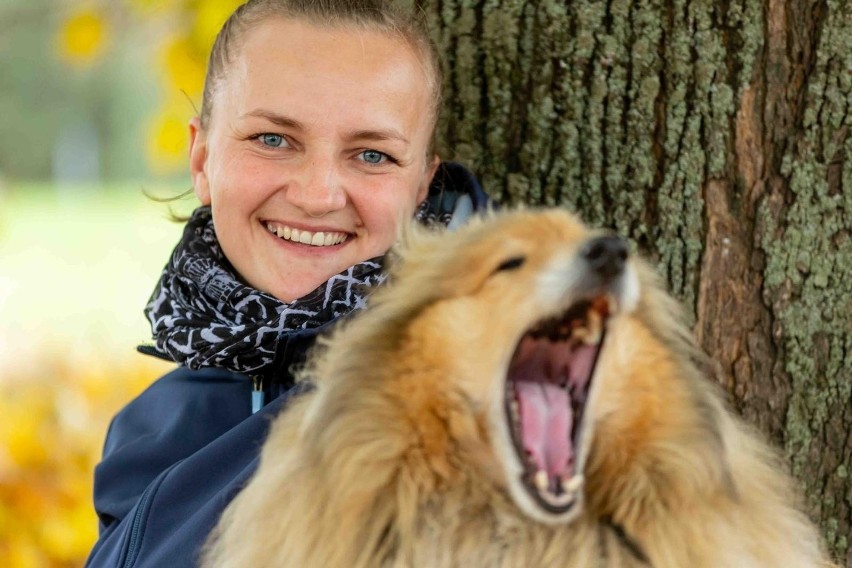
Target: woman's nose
x=317, y=189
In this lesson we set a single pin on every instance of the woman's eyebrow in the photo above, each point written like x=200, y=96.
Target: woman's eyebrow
x=275, y=118
x=380, y=135
x=376, y=135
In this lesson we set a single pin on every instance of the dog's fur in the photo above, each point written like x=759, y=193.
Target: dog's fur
x=398, y=457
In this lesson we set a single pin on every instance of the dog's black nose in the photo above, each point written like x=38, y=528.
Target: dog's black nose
x=606, y=255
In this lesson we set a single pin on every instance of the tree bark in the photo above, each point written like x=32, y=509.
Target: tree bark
x=717, y=135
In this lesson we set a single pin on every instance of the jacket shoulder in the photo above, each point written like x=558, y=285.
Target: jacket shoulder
x=176, y=416
x=173, y=459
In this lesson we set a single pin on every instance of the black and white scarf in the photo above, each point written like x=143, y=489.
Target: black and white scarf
x=202, y=315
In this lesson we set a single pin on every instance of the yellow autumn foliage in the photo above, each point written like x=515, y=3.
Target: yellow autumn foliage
x=51, y=437
x=82, y=36
x=209, y=17
x=179, y=58
x=183, y=65
x=167, y=142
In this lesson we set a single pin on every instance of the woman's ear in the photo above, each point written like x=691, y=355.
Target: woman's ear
x=198, y=160
x=431, y=168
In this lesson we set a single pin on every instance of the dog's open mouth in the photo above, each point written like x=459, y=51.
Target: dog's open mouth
x=546, y=391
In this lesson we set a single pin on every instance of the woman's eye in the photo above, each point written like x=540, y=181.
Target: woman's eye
x=374, y=156
x=272, y=140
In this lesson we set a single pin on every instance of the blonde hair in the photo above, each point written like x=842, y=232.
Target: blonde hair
x=374, y=15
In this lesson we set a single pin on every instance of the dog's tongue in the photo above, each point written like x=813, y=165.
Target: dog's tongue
x=545, y=415
x=544, y=407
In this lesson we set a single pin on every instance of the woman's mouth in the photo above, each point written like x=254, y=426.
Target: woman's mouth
x=301, y=236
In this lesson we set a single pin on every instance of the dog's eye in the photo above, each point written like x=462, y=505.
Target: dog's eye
x=511, y=263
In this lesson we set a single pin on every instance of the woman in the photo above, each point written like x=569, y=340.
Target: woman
x=314, y=143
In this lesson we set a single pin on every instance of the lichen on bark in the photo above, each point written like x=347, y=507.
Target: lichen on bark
x=807, y=239
x=619, y=110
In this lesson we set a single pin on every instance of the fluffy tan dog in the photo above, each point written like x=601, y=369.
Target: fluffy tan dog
x=521, y=394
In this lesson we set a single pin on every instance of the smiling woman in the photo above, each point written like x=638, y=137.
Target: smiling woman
x=307, y=159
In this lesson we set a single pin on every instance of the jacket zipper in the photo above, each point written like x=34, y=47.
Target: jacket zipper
x=258, y=396
x=258, y=399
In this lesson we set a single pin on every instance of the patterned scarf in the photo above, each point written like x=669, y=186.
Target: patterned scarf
x=201, y=314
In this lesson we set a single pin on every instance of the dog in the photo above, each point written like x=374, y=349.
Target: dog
x=521, y=393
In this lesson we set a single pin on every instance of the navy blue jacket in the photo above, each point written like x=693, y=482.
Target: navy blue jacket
x=176, y=455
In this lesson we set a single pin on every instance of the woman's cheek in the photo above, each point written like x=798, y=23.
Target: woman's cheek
x=383, y=212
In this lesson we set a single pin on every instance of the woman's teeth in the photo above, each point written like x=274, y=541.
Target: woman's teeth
x=320, y=239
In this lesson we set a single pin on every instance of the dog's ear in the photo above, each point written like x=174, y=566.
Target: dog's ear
x=411, y=236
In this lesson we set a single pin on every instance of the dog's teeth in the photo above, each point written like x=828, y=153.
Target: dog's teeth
x=612, y=303
x=593, y=337
x=541, y=481
x=594, y=330
x=574, y=484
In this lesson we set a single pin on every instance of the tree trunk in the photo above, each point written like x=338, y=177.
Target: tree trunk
x=717, y=135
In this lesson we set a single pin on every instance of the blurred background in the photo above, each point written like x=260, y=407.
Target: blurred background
x=94, y=103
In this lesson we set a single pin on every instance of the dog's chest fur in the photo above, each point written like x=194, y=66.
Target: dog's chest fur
x=470, y=525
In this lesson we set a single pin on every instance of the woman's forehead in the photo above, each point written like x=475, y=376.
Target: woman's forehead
x=311, y=70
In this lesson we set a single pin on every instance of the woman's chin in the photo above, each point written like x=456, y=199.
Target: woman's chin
x=302, y=278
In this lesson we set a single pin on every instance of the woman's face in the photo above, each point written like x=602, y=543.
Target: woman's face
x=315, y=151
